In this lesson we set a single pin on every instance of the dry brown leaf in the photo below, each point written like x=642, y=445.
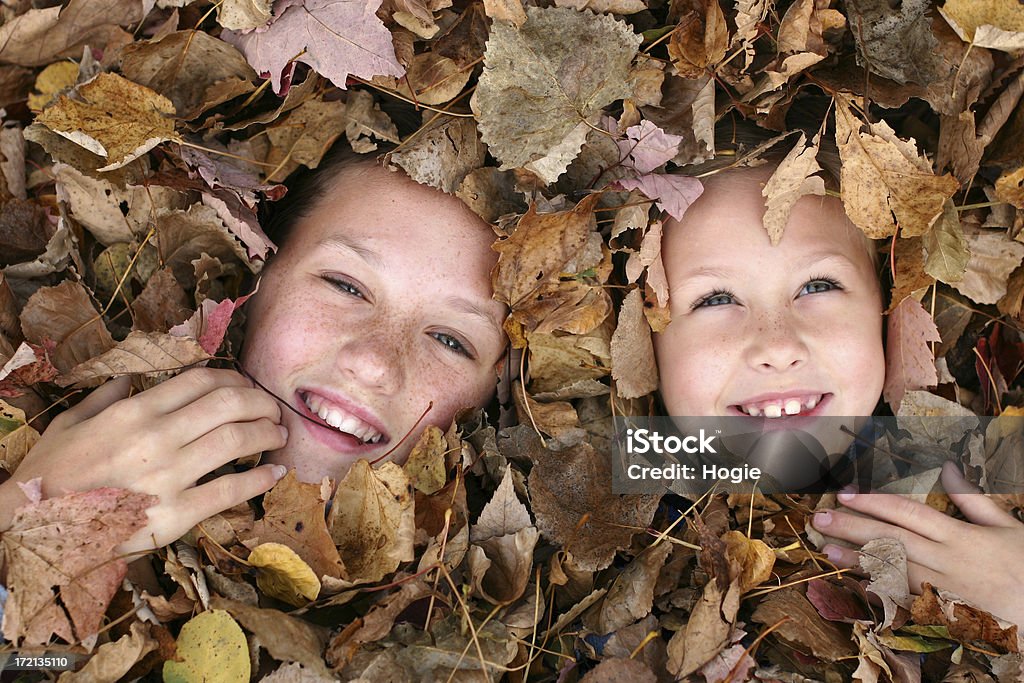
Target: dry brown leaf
x=883, y=176
x=112, y=118
x=17, y=437
x=885, y=561
x=371, y=520
x=620, y=670
x=65, y=314
x=286, y=638
x=895, y=42
x=632, y=349
x=909, y=363
x=946, y=248
x=36, y=37
x=442, y=155
x=571, y=495
x=243, y=15
x=993, y=257
x=793, y=178
x=701, y=39
x=631, y=595
x=295, y=515
x=139, y=353
x=965, y=623
x=191, y=68
x=541, y=80
x=425, y=466
x=707, y=631
x=799, y=622
x=752, y=559
x=303, y=137
x=605, y=6
x=113, y=660
x=431, y=79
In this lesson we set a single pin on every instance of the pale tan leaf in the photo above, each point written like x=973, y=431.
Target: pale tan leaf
x=140, y=352
x=633, y=366
x=793, y=178
x=946, y=248
x=909, y=363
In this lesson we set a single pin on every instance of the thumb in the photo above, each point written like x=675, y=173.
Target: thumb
x=976, y=506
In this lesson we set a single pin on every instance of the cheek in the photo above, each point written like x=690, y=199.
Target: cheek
x=450, y=388
x=692, y=367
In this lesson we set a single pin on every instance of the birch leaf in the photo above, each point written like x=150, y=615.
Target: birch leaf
x=540, y=81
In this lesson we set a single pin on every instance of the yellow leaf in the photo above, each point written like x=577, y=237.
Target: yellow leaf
x=425, y=466
x=753, y=557
x=996, y=24
x=283, y=574
x=114, y=118
x=51, y=81
x=16, y=436
x=211, y=648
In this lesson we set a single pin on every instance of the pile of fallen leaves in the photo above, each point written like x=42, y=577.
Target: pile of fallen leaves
x=139, y=141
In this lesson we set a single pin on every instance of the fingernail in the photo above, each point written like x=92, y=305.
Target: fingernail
x=847, y=493
x=832, y=553
x=280, y=471
x=284, y=432
x=822, y=519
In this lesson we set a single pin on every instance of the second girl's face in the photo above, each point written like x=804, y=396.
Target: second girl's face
x=769, y=330
x=376, y=311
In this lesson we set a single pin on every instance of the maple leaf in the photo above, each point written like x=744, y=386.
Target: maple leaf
x=908, y=358
x=647, y=147
x=542, y=80
x=338, y=38
x=60, y=573
x=671, y=193
x=209, y=323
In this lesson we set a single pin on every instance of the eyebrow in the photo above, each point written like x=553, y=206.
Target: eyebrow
x=464, y=305
x=815, y=259
x=345, y=243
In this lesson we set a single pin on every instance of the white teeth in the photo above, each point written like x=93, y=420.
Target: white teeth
x=773, y=410
x=792, y=406
x=752, y=411
x=811, y=403
x=343, y=422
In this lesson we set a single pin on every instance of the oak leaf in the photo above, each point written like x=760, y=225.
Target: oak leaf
x=61, y=574
x=212, y=648
x=335, y=37
x=908, y=358
x=883, y=176
x=542, y=80
x=209, y=323
x=295, y=515
x=112, y=118
x=793, y=178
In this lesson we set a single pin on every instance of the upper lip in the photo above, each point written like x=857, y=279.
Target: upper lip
x=349, y=407
x=781, y=395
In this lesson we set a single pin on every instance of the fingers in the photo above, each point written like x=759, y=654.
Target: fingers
x=859, y=530
x=227, y=491
x=976, y=506
x=100, y=399
x=904, y=513
x=220, y=407
x=230, y=442
x=849, y=558
x=189, y=386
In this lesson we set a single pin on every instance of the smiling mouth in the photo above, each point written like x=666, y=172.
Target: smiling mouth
x=339, y=420
x=792, y=406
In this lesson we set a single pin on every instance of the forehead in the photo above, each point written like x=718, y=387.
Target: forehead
x=367, y=203
x=726, y=222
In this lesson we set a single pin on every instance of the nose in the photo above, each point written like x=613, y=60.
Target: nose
x=775, y=343
x=373, y=360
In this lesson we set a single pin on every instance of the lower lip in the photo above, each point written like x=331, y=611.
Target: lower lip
x=799, y=421
x=330, y=437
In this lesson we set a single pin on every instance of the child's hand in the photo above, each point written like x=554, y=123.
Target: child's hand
x=981, y=560
x=161, y=442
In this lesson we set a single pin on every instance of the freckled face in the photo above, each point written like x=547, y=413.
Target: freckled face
x=753, y=323
x=376, y=311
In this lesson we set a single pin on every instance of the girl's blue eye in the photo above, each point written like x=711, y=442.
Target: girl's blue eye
x=717, y=298
x=452, y=343
x=343, y=285
x=820, y=284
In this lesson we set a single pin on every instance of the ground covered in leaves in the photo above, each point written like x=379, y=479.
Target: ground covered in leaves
x=141, y=140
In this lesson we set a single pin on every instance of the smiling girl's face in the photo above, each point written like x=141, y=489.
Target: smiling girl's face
x=376, y=311
x=763, y=330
